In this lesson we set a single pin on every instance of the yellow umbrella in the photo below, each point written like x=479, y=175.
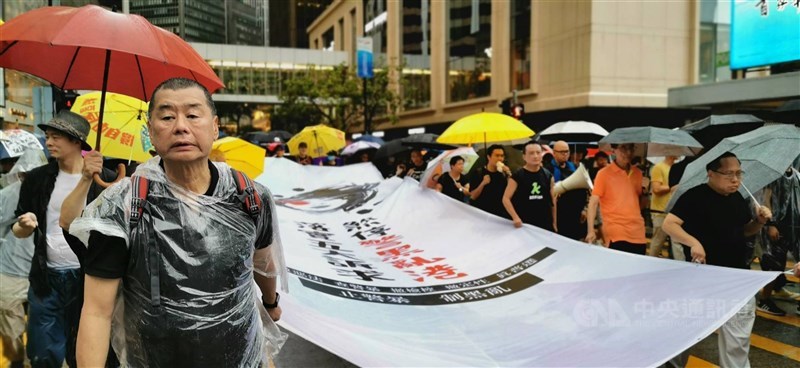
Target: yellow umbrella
x=485, y=127
x=320, y=139
x=125, y=133
x=240, y=155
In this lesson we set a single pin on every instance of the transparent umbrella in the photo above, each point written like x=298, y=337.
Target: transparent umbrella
x=765, y=154
x=659, y=141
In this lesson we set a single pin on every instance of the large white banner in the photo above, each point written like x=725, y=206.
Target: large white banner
x=385, y=273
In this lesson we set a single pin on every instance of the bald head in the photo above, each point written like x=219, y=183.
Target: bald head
x=561, y=152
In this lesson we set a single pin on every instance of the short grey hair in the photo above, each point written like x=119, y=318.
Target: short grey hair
x=175, y=84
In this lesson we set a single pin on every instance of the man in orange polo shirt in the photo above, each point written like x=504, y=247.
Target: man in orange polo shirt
x=617, y=189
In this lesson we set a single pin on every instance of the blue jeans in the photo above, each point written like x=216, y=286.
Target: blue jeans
x=53, y=320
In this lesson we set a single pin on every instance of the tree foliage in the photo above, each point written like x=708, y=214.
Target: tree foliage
x=335, y=96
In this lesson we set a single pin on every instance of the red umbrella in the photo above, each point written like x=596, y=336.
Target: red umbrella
x=93, y=48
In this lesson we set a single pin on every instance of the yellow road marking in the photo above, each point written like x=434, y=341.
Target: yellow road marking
x=789, y=351
x=788, y=319
x=695, y=362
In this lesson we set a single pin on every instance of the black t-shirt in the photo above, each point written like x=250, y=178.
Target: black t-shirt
x=449, y=187
x=418, y=171
x=491, y=198
x=676, y=171
x=717, y=221
x=107, y=256
x=532, y=199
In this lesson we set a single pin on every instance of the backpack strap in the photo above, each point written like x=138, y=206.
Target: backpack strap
x=140, y=186
x=251, y=200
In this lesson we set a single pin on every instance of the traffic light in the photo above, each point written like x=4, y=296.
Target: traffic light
x=518, y=111
x=64, y=99
x=505, y=106
x=69, y=98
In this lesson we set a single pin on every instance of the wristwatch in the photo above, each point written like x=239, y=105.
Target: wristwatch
x=273, y=305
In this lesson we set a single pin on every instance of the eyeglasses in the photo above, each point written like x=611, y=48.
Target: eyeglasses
x=731, y=175
x=562, y=152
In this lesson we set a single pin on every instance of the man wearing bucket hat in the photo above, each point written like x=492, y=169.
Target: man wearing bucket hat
x=56, y=280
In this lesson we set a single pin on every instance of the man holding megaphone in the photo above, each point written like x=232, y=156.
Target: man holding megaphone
x=571, y=193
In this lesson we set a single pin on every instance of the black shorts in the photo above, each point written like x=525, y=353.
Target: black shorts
x=629, y=247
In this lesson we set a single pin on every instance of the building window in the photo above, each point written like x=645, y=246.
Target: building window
x=375, y=18
x=341, y=35
x=469, y=49
x=520, y=44
x=715, y=41
x=415, y=38
x=327, y=40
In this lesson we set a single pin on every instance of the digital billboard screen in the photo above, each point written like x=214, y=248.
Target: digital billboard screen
x=764, y=32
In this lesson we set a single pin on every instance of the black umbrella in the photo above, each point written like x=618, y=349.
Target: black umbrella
x=789, y=106
x=390, y=149
x=789, y=112
x=265, y=138
x=713, y=129
x=425, y=140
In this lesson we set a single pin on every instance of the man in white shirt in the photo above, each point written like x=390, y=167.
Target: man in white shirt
x=55, y=293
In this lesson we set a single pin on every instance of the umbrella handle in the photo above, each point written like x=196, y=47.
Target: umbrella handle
x=120, y=175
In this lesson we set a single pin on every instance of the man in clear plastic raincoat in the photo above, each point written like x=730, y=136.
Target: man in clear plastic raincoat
x=780, y=236
x=15, y=261
x=189, y=266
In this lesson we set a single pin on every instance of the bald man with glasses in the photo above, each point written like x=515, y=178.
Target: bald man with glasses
x=712, y=221
x=571, y=217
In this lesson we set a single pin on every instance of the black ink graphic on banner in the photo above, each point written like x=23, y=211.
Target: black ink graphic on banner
x=335, y=287
x=507, y=287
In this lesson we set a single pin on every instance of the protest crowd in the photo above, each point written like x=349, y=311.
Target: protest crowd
x=187, y=243
x=52, y=283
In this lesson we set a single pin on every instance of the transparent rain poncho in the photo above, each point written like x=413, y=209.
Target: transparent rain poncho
x=188, y=297
x=785, y=206
x=15, y=253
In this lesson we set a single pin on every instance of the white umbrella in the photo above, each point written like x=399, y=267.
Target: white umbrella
x=441, y=163
x=574, y=131
x=358, y=146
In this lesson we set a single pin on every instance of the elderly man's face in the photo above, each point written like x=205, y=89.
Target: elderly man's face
x=182, y=127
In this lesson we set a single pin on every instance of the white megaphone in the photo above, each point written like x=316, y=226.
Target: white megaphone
x=578, y=180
